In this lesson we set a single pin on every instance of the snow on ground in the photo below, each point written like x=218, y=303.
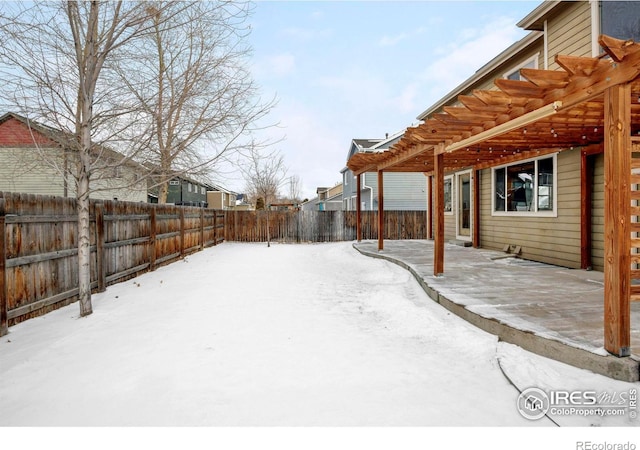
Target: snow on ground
x=291, y=335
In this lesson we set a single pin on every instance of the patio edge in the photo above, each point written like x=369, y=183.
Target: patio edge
x=624, y=369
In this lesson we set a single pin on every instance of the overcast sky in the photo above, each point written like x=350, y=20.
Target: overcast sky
x=359, y=69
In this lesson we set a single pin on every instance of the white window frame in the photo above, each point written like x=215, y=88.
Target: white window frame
x=525, y=63
x=458, y=175
x=450, y=178
x=535, y=212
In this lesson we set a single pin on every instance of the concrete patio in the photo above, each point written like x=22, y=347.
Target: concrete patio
x=549, y=310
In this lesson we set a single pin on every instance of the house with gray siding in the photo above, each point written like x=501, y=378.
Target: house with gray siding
x=402, y=191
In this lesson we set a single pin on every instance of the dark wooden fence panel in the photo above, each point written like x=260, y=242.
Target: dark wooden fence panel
x=38, y=247
x=321, y=226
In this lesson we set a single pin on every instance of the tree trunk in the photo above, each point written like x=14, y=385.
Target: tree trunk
x=84, y=243
x=163, y=192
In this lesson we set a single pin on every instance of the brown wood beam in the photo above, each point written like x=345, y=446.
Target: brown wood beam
x=100, y=253
x=368, y=168
x=359, y=207
x=438, y=252
x=404, y=156
x=4, y=323
x=380, y=210
x=617, y=210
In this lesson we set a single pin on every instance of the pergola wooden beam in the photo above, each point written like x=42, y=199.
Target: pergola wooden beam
x=380, y=210
x=438, y=253
x=617, y=217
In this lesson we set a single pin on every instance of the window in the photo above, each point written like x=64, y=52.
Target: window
x=448, y=183
x=190, y=187
x=620, y=19
x=203, y=191
x=526, y=187
x=515, y=73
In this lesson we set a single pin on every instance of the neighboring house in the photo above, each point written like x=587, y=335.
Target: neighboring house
x=242, y=203
x=327, y=199
x=220, y=198
x=34, y=156
x=402, y=191
x=330, y=199
x=184, y=191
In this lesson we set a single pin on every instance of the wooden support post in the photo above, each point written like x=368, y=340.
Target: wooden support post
x=100, y=253
x=438, y=204
x=152, y=238
x=182, y=233
x=430, y=207
x=215, y=227
x=4, y=322
x=476, y=209
x=380, y=210
x=586, y=177
x=201, y=229
x=617, y=215
x=359, y=207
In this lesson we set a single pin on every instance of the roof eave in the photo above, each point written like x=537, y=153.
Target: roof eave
x=535, y=19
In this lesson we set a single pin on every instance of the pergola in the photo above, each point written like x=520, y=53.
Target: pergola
x=592, y=103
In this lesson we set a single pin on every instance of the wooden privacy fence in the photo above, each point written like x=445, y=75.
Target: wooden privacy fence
x=39, y=254
x=321, y=226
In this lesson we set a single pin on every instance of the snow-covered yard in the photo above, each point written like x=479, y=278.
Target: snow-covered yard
x=292, y=335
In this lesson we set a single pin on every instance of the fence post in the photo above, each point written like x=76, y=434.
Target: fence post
x=152, y=239
x=215, y=227
x=201, y=229
x=100, y=266
x=4, y=324
x=181, y=214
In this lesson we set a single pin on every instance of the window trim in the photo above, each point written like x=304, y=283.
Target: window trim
x=536, y=212
x=450, y=178
x=524, y=63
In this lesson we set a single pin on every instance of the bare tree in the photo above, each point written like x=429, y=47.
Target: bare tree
x=57, y=64
x=294, y=188
x=192, y=81
x=264, y=174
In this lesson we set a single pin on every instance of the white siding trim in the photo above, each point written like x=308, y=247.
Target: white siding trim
x=595, y=27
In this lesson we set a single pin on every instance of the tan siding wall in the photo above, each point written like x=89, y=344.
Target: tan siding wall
x=553, y=240
x=569, y=33
x=597, y=211
x=20, y=171
x=214, y=199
